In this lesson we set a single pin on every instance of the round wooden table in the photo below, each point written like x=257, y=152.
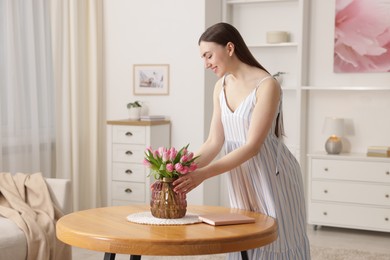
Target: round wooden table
x=107, y=230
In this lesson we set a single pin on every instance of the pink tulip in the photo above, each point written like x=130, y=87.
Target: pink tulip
x=185, y=170
x=184, y=159
x=149, y=151
x=165, y=156
x=162, y=150
x=173, y=150
x=170, y=167
x=173, y=154
x=147, y=163
x=178, y=167
x=193, y=167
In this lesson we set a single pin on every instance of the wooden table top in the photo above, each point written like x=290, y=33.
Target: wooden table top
x=108, y=230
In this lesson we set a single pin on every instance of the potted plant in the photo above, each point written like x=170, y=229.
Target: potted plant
x=134, y=110
x=168, y=164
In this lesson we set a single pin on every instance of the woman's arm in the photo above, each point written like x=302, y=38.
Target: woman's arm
x=213, y=144
x=268, y=96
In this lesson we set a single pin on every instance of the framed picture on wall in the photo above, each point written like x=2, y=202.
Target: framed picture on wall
x=361, y=41
x=151, y=79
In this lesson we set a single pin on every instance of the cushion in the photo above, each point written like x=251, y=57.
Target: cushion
x=13, y=243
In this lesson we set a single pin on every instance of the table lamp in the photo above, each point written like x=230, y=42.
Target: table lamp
x=335, y=128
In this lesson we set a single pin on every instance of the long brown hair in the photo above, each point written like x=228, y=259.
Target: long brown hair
x=222, y=34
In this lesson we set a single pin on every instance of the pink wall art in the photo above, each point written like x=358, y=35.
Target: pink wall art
x=362, y=36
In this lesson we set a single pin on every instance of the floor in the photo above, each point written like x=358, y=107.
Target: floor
x=322, y=237
x=350, y=239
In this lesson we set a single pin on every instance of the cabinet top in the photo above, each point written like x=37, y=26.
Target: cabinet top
x=347, y=156
x=137, y=122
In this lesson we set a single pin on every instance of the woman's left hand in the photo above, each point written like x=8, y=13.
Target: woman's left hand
x=188, y=182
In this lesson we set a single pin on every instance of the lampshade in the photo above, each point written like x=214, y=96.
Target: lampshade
x=333, y=126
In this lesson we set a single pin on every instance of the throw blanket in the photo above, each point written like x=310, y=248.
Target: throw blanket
x=25, y=199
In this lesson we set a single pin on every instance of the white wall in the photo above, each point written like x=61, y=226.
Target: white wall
x=155, y=31
x=161, y=32
x=366, y=112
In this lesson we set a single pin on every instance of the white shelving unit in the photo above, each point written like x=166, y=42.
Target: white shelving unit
x=254, y=18
x=348, y=190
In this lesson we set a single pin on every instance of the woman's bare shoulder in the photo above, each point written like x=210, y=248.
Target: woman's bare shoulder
x=268, y=86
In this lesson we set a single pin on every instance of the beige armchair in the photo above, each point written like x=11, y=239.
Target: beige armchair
x=13, y=243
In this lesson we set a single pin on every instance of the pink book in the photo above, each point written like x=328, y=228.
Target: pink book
x=218, y=219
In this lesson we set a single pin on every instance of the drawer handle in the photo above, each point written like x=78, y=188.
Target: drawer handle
x=128, y=190
x=129, y=171
x=386, y=219
x=129, y=153
x=387, y=173
x=129, y=134
x=325, y=213
x=325, y=191
x=387, y=195
x=326, y=169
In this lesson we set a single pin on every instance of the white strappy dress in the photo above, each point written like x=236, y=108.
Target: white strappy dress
x=270, y=183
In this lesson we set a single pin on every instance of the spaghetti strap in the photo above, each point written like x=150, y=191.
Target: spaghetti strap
x=257, y=85
x=262, y=80
x=223, y=80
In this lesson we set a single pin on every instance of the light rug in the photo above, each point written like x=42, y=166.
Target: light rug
x=326, y=253
x=317, y=253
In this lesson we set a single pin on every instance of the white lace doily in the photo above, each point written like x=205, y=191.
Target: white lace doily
x=147, y=218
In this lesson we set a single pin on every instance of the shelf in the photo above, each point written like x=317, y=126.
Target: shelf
x=290, y=87
x=344, y=88
x=273, y=45
x=233, y=2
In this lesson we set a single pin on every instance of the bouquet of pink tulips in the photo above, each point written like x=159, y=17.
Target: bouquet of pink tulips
x=169, y=163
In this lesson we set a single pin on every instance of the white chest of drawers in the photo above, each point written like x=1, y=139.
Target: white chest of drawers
x=127, y=176
x=350, y=190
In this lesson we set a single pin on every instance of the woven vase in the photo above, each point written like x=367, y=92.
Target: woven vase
x=165, y=203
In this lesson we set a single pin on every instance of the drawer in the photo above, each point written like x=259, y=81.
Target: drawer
x=128, y=153
x=129, y=134
x=128, y=191
x=338, y=215
x=351, y=170
x=351, y=192
x=128, y=172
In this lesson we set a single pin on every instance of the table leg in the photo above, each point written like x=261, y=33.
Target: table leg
x=109, y=256
x=135, y=257
x=244, y=255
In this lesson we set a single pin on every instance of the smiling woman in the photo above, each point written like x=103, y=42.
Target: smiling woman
x=247, y=126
